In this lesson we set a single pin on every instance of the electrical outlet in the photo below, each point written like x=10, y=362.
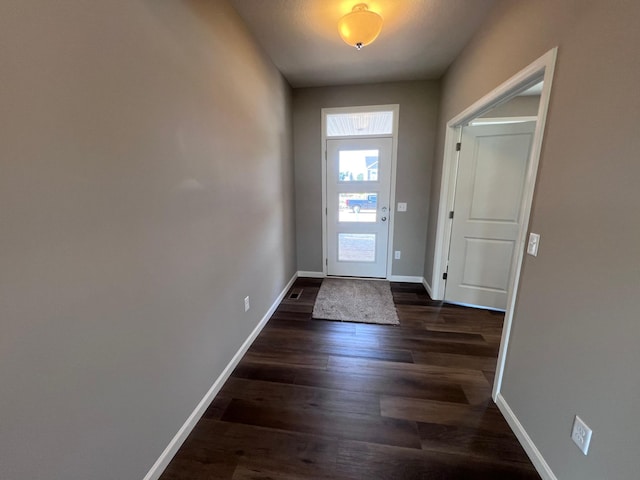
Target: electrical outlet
x=402, y=207
x=246, y=304
x=397, y=254
x=581, y=434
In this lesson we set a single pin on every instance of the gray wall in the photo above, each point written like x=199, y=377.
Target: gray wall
x=146, y=188
x=417, y=124
x=574, y=346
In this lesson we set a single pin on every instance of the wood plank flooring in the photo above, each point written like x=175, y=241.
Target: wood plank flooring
x=330, y=400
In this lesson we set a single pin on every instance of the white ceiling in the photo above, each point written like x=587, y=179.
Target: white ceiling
x=419, y=38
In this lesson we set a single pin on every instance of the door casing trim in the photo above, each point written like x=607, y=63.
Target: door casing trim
x=395, y=108
x=541, y=69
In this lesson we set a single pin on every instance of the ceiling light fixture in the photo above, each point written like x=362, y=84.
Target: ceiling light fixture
x=360, y=27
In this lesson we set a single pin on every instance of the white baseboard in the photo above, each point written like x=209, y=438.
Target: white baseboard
x=427, y=287
x=391, y=278
x=405, y=278
x=185, y=430
x=303, y=274
x=525, y=440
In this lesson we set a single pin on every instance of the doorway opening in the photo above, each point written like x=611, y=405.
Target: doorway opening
x=484, y=251
x=359, y=147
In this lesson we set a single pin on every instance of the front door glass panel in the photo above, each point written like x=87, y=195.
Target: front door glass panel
x=357, y=247
x=358, y=166
x=357, y=207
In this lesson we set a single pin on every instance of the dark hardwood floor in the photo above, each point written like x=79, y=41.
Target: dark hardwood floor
x=317, y=399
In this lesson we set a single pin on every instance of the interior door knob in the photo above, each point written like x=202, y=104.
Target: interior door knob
x=384, y=219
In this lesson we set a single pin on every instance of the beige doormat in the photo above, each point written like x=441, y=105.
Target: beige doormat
x=364, y=301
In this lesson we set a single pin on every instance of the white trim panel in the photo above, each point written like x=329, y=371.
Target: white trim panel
x=427, y=287
x=392, y=192
x=544, y=66
x=444, y=223
x=502, y=120
x=303, y=274
x=405, y=278
x=179, y=438
x=542, y=467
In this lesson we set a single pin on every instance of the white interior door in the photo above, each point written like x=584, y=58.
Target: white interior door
x=491, y=175
x=358, y=190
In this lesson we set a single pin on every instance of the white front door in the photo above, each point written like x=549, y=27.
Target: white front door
x=486, y=223
x=358, y=191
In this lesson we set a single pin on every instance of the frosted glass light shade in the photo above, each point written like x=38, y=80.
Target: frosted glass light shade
x=360, y=27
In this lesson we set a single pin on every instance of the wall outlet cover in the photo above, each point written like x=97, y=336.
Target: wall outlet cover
x=402, y=207
x=581, y=434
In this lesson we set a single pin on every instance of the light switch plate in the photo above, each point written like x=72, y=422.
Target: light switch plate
x=247, y=306
x=534, y=242
x=402, y=207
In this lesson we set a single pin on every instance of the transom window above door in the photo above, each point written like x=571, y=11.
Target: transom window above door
x=358, y=124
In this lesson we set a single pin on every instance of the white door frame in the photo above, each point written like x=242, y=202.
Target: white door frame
x=540, y=70
x=395, y=108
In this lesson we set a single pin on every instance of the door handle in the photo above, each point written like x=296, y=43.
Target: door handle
x=384, y=219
